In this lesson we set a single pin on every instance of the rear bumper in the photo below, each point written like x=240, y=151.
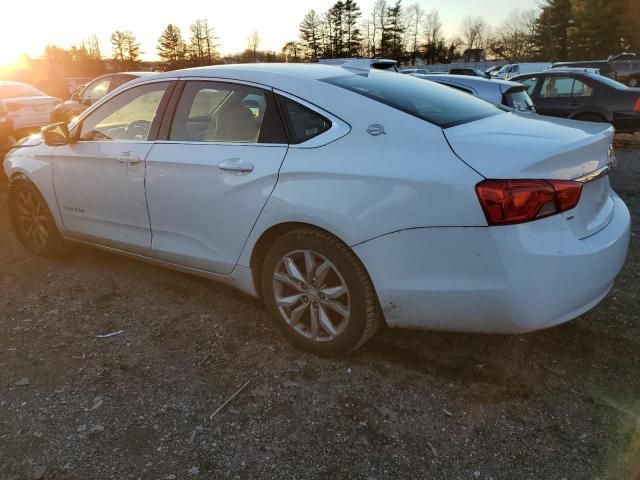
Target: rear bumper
x=627, y=121
x=510, y=279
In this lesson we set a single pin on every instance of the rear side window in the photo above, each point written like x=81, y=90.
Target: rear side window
x=303, y=123
x=429, y=101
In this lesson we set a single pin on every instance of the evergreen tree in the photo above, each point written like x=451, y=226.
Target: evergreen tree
x=393, y=32
x=172, y=48
x=311, y=35
x=351, y=33
x=597, y=28
x=551, y=32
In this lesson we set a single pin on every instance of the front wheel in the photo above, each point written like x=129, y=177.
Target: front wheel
x=32, y=221
x=318, y=293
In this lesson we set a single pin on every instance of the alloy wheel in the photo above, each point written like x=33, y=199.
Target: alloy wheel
x=32, y=220
x=311, y=295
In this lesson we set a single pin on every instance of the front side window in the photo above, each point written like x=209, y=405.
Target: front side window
x=429, y=101
x=97, y=90
x=127, y=116
x=226, y=112
x=557, y=87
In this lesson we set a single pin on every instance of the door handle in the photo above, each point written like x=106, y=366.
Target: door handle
x=129, y=158
x=235, y=165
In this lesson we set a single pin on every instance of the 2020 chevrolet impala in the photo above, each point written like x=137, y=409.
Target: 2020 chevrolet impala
x=345, y=197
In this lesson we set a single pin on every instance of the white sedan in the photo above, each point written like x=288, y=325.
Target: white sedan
x=29, y=108
x=344, y=197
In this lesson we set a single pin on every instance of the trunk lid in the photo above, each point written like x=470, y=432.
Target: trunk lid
x=517, y=146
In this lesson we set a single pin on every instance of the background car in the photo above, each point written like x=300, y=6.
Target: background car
x=471, y=72
x=500, y=92
x=584, y=96
x=421, y=71
x=6, y=130
x=90, y=94
x=507, y=72
x=342, y=199
x=377, y=63
x=624, y=67
x=30, y=109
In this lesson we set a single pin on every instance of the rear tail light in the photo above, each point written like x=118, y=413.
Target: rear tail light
x=636, y=107
x=506, y=202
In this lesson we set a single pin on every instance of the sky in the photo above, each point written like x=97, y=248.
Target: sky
x=276, y=21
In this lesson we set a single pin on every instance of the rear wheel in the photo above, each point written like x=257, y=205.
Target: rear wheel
x=318, y=293
x=32, y=221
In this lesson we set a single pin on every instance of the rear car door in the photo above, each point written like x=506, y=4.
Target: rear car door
x=99, y=179
x=554, y=96
x=211, y=175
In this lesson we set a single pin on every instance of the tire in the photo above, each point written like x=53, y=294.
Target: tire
x=32, y=221
x=590, y=117
x=318, y=293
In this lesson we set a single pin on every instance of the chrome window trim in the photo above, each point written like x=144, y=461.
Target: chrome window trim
x=121, y=89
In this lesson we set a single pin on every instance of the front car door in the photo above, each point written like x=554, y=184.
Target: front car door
x=99, y=178
x=209, y=179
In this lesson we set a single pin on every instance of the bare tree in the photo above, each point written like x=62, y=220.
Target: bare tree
x=474, y=31
x=291, y=52
x=515, y=39
x=118, y=45
x=415, y=16
x=253, y=42
x=203, y=47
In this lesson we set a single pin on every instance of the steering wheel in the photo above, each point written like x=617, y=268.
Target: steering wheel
x=137, y=130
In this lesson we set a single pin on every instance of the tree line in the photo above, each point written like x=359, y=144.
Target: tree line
x=557, y=30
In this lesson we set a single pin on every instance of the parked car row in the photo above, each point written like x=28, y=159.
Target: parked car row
x=345, y=197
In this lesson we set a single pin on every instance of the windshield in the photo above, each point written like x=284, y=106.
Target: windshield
x=13, y=90
x=429, y=101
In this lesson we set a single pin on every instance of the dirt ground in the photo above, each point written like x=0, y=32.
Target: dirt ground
x=558, y=404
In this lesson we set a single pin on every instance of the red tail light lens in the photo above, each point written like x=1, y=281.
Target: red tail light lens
x=506, y=202
x=636, y=107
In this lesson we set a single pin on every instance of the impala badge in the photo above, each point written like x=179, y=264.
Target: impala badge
x=376, y=129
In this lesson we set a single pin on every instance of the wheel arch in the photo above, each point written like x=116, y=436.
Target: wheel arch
x=269, y=236
x=605, y=116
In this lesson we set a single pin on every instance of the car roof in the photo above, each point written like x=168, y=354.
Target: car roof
x=260, y=73
x=10, y=82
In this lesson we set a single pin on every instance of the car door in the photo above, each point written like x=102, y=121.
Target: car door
x=554, y=96
x=99, y=178
x=209, y=179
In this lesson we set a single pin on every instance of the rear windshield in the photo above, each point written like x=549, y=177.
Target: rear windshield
x=437, y=104
x=519, y=99
x=13, y=90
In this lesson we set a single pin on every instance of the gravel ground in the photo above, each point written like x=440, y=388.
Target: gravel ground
x=558, y=404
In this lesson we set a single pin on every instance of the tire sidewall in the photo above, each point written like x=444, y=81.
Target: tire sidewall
x=353, y=333
x=55, y=240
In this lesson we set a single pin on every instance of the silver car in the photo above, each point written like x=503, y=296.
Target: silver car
x=500, y=92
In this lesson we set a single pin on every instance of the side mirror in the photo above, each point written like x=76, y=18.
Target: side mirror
x=56, y=134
